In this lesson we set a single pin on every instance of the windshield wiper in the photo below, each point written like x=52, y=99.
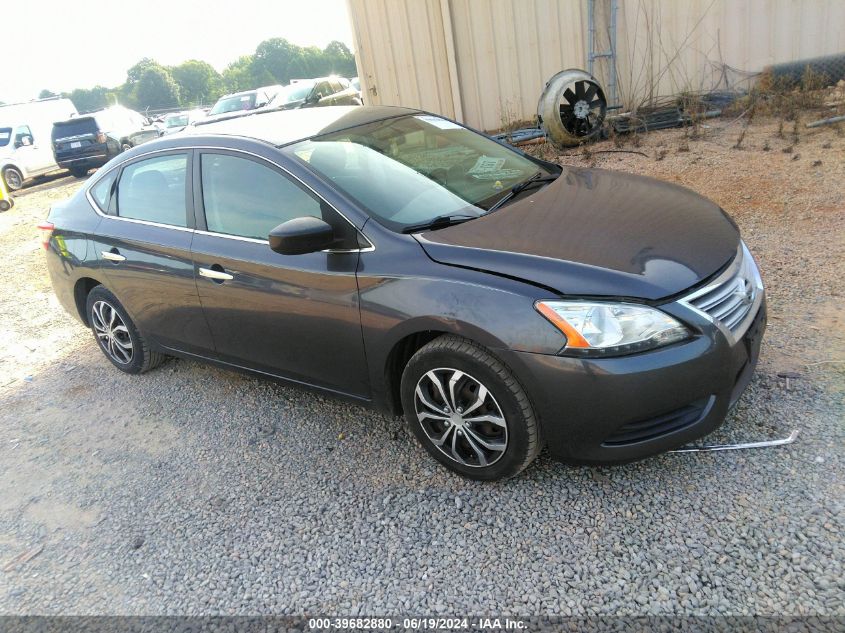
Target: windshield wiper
x=536, y=179
x=439, y=222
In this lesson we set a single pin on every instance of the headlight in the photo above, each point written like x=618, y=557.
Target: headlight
x=611, y=329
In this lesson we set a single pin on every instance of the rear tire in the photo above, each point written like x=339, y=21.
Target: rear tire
x=5, y=205
x=79, y=172
x=116, y=334
x=468, y=410
x=13, y=178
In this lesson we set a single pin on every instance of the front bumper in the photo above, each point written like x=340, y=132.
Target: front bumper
x=610, y=410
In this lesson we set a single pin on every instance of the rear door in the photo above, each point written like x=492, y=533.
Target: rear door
x=144, y=247
x=288, y=315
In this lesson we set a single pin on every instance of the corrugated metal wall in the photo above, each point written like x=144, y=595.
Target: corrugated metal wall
x=665, y=46
x=485, y=61
x=400, y=50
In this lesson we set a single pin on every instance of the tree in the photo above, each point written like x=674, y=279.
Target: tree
x=156, y=89
x=46, y=94
x=238, y=75
x=90, y=99
x=134, y=74
x=273, y=59
x=340, y=59
x=198, y=82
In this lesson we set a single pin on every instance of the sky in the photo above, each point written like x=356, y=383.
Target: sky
x=62, y=44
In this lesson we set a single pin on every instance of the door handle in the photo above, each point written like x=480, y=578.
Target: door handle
x=113, y=257
x=216, y=275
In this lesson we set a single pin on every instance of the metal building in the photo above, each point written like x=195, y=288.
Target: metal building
x=485, y=62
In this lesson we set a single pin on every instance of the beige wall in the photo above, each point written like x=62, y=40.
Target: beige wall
x=667, y=46
x=485, y=61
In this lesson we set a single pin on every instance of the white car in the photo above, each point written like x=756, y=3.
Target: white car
x=178, y=121
x=25, y=139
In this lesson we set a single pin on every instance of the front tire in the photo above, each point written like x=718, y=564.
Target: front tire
x=13, y=178
x=116, y=334
x=468, y=410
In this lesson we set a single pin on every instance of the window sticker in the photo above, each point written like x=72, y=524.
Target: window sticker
x=437, y=122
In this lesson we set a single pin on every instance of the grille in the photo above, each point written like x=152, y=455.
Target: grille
x=733, y=296
x=658, y=426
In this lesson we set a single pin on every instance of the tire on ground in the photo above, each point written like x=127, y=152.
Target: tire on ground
x=523, y=429
x=13, y=178
x=143, y=358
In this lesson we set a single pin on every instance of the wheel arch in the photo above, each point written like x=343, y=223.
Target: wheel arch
x=81, y=289
x=411, y=339
x=23, y=172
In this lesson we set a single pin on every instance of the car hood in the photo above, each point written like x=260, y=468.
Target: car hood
x=596, y=232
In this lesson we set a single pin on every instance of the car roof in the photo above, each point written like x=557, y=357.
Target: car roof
x=280, y=127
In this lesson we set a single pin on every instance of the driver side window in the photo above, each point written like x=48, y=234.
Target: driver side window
x=245, y=198
x=23, y=132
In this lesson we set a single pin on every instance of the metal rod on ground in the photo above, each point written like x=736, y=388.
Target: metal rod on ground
x=831, y=120
x=735, y=447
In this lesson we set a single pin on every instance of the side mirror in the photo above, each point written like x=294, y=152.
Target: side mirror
x=301, y=235
x=313, y=98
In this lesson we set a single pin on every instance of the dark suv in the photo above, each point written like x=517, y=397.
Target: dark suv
x=92, y=140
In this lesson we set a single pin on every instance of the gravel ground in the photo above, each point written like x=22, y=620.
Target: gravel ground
x=191, y=490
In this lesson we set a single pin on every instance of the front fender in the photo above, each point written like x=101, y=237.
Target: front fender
x=495, y=312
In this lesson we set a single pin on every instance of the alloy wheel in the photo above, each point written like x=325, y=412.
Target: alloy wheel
x=112, y=332
x=461, y=417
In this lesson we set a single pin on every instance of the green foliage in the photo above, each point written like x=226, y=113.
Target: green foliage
x=88, y=99
x=133, y=75
x=238, y=75
x=156, y=89
x=276, y=61
x=46, y=94
x=198, y=82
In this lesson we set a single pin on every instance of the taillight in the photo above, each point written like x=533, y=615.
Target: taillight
x=45, y=229
x=101, y=137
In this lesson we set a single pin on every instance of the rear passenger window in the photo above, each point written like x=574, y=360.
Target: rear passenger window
x=244, y=198
x=154, y=190
x=101, y=192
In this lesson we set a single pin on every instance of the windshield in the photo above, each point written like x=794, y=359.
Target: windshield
x=412, y=169
x=5, y=136
x=295, y=92
x=180, y=120
x=234, y=104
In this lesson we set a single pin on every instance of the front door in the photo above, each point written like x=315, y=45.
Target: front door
x=294, y=316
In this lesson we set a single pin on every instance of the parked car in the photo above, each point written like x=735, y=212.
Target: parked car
x=25, y=148
x=88, y=141
x=243, y=101
x=323, y=91
x=178, y=121
x=399, y=259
